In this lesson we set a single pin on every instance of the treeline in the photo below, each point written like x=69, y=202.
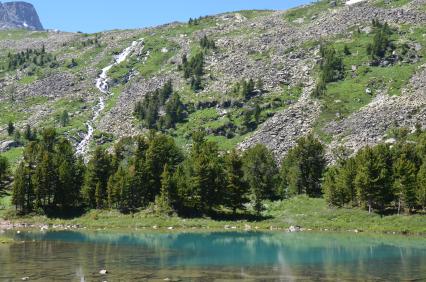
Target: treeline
x=143, y=171
x=380, y=178
x=162, y=100
x=197, y=21
x=151, y=170
x=24, y=59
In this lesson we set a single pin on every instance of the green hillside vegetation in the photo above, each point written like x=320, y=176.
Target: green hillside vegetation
x=362, y=79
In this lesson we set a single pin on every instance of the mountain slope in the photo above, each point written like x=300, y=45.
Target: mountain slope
x=278, y=50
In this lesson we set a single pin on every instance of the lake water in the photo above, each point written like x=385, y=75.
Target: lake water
x=224, y=256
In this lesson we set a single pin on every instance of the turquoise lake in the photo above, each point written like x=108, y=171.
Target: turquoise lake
x=219, y=256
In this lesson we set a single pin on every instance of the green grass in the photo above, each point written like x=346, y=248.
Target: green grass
x=303, y=211
x=28, y=79
x=6, y=240
x=347, y=96
x=252, y=14
x=19, y=34
x=307, y=12
x=76, y=122
x=86, y=58
x=210, y=119
x=14, y=111
x=315, y=214
x=5, y=202
x=13, y=156
x=154, y=63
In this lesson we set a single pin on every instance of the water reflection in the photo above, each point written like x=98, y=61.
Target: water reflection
x=79, y=256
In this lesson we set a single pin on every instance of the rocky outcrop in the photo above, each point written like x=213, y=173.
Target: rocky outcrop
x=281, y=132
x=371, y=124
x=16, y=15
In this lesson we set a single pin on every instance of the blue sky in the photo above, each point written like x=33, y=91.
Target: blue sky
x=99, y=15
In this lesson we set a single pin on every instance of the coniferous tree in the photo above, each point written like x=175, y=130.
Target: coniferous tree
x=64, y=118
x=303, y=167
x=346, y=182
x=421, y=186
x=23, y=192
x=162, y=150
x=236, y=187
x=332, y=194
x=163, y=200
x=96, y=179
x=70, y=175
x=208, y=175
x=404, y=173
x=10, y=128
x=374, y=177
x=260, y=172
x=4, y=174
x=175, y=111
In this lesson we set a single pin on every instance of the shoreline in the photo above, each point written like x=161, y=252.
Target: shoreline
x=11, y=225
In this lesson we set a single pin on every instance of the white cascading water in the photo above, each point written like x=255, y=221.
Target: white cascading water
x=102, y=85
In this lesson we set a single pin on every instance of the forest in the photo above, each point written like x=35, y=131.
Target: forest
x=151, y=170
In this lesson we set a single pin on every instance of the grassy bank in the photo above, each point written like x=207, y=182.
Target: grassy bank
x=6, y=240
x=306, y=212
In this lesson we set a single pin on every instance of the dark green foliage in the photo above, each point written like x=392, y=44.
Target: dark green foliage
x=236, y=186
x=152, y=169
x=72, y=64
x=23, y=191
x=122, y=193
x=194, y=69
x=331, y=69
x=162, y=150
x=303, y=167
x=381, y=43
x=148, y=110
x=175, y=111
x=49, y=176
x=194, y=66
x=346, y=50
x=421, y=187
x=260, y=172
x=10, y=128
x=247, y=89
x=30, y=57
x=4, y=174
x=384, y=178
x=207, y=43
x=200, y=178
x=339, y=184
x=64, y=118
x=30, y=134
x=99, y=169
x=163, y=200
x=404, y=183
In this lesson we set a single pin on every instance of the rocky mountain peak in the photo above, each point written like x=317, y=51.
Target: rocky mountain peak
x=19, y=14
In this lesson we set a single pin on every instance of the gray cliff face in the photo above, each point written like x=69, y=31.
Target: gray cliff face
x=14, y=15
